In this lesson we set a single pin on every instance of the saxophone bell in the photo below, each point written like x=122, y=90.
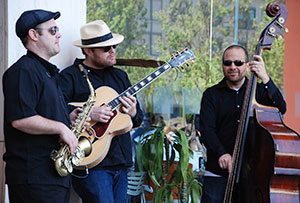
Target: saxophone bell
x=84, y=149
x=64, y=161
x=62, y=165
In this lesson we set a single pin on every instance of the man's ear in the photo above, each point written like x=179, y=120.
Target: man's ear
x=88, y=51
x=33, y=34
x=248, y=66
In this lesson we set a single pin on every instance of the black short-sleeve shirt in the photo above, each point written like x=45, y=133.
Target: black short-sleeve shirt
x=31, y=87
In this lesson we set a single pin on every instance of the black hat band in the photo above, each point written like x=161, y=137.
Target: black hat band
x=97, y=39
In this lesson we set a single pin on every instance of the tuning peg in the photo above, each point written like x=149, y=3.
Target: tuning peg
x=284, y=29
x=187, y=64
x=279, y=37
x=271, y=32
x=192, y=61
x=280, y=23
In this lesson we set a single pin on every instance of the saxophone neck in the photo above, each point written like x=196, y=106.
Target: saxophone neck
x=85, y=75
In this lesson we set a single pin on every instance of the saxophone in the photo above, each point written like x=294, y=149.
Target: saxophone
x=64, y=160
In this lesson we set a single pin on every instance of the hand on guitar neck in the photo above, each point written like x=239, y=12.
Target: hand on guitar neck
x=128, y=105
x=104, y=113
x=225, y=161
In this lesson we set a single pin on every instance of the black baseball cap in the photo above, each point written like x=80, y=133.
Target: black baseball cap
x=30, y=19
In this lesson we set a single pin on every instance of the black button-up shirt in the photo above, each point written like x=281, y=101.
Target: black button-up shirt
x=31, y=87
x=75, y=89
x=220, y=113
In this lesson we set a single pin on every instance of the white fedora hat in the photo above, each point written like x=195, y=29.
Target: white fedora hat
x=97, y=34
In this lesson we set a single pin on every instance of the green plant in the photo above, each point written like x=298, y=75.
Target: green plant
x=167, y=165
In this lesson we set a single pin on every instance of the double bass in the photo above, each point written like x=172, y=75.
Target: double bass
x=266, y=156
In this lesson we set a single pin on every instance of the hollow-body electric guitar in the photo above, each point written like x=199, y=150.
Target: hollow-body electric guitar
x=101, y=134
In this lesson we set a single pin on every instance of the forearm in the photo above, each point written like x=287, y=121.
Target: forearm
x=39, y=125
x=275, y=97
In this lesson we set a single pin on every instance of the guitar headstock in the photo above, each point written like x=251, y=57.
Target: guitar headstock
x=279, y=11
x=181, y=58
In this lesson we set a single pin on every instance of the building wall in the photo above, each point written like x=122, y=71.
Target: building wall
x=291, y=67
x=73, y=15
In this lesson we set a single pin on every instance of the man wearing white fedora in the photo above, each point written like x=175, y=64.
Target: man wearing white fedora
x=107, y=181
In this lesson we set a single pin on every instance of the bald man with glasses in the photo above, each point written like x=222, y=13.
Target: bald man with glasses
x=220, y=113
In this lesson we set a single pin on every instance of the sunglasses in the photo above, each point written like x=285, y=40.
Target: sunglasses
x=52, y=30
x=236, y=62
x=107, y=49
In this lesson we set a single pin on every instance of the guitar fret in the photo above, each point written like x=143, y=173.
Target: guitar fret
x=149, y=78
x=114, y=103
x=157, y=73
x=131, y=91
x=166, y=66
x=136, y=88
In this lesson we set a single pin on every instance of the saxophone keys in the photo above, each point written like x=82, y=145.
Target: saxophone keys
x=68, y=166
x=77, y=157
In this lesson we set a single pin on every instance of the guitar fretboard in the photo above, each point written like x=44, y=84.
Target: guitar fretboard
x=134, y=89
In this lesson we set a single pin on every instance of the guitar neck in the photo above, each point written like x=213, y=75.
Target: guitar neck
x=134, y=89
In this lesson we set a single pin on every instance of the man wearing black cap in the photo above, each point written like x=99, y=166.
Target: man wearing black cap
x=107, y=181
x=36, y=118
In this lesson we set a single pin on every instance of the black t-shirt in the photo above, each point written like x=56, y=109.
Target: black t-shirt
x=75, y=89
x=31, y=87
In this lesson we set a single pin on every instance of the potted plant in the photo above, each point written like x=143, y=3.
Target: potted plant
x=165, y=158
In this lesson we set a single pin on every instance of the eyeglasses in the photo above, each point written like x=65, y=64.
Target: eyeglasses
x=107, y=49
x=236, y=62
x=52, y=30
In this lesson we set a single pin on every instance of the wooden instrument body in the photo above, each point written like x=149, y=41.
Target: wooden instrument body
x=285, y=181
x=257, y=164
x=270, y=169
x=101, y=134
